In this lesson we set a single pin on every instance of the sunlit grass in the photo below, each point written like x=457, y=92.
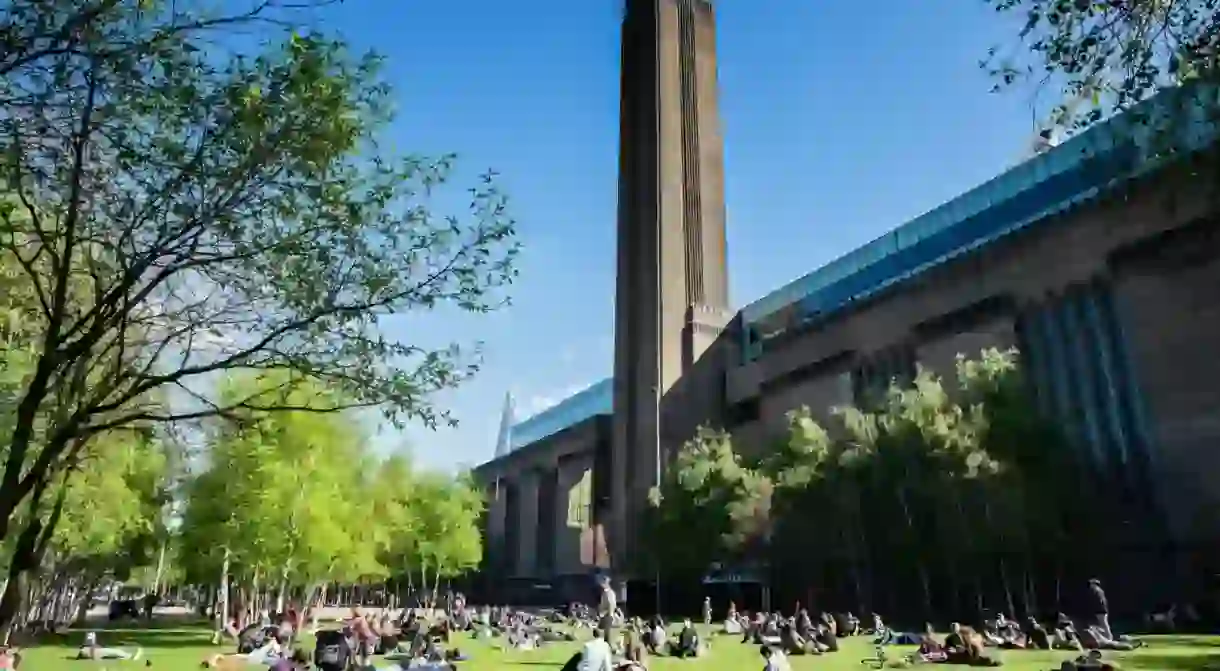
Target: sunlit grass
x=186, y=647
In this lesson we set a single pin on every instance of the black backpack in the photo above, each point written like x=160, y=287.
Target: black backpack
x=331, y=651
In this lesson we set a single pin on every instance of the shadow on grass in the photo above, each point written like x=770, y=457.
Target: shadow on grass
x=160, y=622
x=149, y=639
x=1185, y=641
x=1169, y=662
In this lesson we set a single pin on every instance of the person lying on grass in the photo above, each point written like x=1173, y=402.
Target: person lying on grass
x=91, y=650
x=297, y=661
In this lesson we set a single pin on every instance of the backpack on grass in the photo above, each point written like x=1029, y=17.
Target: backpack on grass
x=332, y=651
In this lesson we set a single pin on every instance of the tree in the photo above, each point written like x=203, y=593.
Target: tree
x=1107, y=57
x=177, y=209
x=819, y=536
x=429, y=523
x=275, y=506
x=446, y=515
x=105, y=519
x=710, y=507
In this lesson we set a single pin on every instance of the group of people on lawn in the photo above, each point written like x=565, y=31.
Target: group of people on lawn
x=621, y=644
x=780, y=636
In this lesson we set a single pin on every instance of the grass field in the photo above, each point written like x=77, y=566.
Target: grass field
x=181, y=647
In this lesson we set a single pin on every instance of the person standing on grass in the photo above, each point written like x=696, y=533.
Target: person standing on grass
x=605, y=609
x=1099, y=608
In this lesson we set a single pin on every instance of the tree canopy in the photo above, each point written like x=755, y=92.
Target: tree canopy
x=203, y=235
x=933, y=500
x=175, y=207
x=1102, y=58
x=298, y=500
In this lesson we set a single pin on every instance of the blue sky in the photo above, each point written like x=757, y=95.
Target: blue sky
x=842, y=119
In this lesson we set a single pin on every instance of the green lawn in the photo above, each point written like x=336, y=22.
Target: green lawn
x=185, y=648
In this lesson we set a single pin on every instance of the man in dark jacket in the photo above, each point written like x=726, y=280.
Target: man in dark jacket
x=1099, y=608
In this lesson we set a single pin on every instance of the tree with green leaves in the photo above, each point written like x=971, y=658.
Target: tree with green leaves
x=102, y=521
x=932, y=501
x=819, y=534
x=276, y=507
x=1102, y=57
x=446, y=513
x=176, y=209
x=428, y=523
x=925, y=502
x=711, y=506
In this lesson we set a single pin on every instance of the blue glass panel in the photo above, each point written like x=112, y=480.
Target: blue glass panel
x=1111, y=388
x=1034, y=356
x=988, y=224
x=596, y=400
x=1059, y=363
x=1051, y=181
x=1135, y=411
x=1082, y=363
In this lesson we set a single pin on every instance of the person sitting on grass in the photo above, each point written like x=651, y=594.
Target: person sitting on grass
x=824, y=636
x=655, y=642
x=1090, y=661
x=930, y=650
x=228, y=630
x=882, y=635
x=594, y=655
x=10, y=659
x=775, y=660
x=1036, y=637
x=387, y=635
x=764, y=629
x=803, y=623
x=635, y=655
x=1065, y=636
x=792, y=643
x=687, y=642
x=849, y=625
x=91, y=650
x=1003, y=633
x=965, y=646
x=832, y=625
x=285, y=632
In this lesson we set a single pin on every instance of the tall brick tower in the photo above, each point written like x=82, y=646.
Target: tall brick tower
x=671, y=235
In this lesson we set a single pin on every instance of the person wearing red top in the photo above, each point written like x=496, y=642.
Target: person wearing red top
x=366, y=640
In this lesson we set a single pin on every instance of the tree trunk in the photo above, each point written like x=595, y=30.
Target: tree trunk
x=423, y=586
x=156, y=586
x=436, y=585
x=925, y=582
x=27, y=554
x=222, y=612
x=82, y=609
x=256, y=598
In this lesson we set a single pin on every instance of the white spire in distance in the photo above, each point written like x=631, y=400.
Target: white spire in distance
x=508, y=417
